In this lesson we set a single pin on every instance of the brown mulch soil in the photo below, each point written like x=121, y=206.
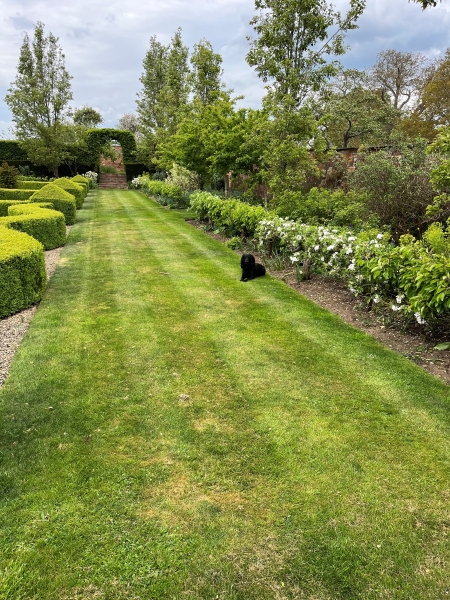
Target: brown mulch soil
x=336, y=297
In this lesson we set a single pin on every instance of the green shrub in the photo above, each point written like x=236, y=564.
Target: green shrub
x=327, y=207
x=61, y=200
x=5, y=204
x=22, y=271
x=85, y=181
x=236, y=217
x=164, y=193
x=8, y=176
x=15, y=194
x=30, y=184
x=396, y=183
x=235, y=243
x=45, y=225
x=73, y=188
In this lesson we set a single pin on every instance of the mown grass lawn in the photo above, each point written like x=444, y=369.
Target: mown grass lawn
x=169, y=432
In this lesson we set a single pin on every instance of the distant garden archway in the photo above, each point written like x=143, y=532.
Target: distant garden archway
x=97, y=138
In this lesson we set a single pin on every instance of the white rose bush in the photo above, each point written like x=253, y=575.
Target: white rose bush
x=408, y=280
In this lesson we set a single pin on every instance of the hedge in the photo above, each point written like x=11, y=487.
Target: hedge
x=45, y=225
x=11, y=150
x=31, y=185
x=78, y=191
x=96, y=138
x=5, y=204
x=164, y=193
x=61, y=200
x=133, y=169
x=85, y=181
x=237, y=217
x=22, y=271
x=15, y=194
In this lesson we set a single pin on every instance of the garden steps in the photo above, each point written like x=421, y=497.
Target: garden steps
x=117, y=181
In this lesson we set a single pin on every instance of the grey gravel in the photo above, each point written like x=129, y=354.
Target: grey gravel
x=13, y=328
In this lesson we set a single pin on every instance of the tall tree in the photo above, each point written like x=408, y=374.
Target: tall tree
x=399, y=76
x=88, y=117
x=293, y=41
x=175, y=91
x=353, y=113
x=129, y=122
x=39, y=99
x=153, y=80
x=205, y=77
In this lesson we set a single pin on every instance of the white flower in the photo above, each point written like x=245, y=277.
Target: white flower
x=348, y=251
x=395, y=308
x=299, y=237
x=331, y=247
x=419, y=318
x=351, y=238
x=352, y=289
x=294, y=259
x=399, y=298
x=351, y=267
x=376, y=298
x=322, y=258
x=380, y=236
x=316, y=248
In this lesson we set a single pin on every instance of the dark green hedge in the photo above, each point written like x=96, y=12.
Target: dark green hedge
x=22, y=271
x=96, y=138
x=61, y=200
x=134, y=169
x=45, y=225
x=12, y=150
x=5, y=204
x=7, y=194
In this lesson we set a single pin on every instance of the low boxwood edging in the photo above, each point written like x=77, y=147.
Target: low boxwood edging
x=61, y=200
x=84, y=181
x=15, y=194
x=78, y=191
x=45, y=225
x=5, y=204
x=31, y=185
x=22, y=271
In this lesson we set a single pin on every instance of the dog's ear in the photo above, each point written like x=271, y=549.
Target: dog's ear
x=243, y=261
x=252, y=260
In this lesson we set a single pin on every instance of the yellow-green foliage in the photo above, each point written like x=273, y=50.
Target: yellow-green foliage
x=77, y=190
x=85, y=181
x=31, y=185
x=5, y=204
x=61, y=200
x=22, y=271
x=45, y=225
x=14, y=194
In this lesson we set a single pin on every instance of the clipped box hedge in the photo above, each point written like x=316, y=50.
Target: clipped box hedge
x=45, y=225
x=22, y=271
x=31, y=185
x=61, y=200
x=84, y=181
x=15, y=194
x=73, y=188
x=5, y=204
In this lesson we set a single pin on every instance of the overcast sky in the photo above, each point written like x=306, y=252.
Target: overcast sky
x=105, y=42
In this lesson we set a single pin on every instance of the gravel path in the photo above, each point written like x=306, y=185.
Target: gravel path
x=13, y=328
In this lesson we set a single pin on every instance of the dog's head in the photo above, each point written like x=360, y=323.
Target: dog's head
x=247, y=261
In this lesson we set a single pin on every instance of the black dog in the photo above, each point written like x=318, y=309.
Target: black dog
x=250, y=268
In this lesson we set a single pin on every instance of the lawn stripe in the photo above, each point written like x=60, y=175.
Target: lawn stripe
x=306, y=462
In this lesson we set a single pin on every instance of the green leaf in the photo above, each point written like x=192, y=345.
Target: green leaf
x=444, y=346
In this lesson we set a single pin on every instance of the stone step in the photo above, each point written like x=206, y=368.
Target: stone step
x=113, y=181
